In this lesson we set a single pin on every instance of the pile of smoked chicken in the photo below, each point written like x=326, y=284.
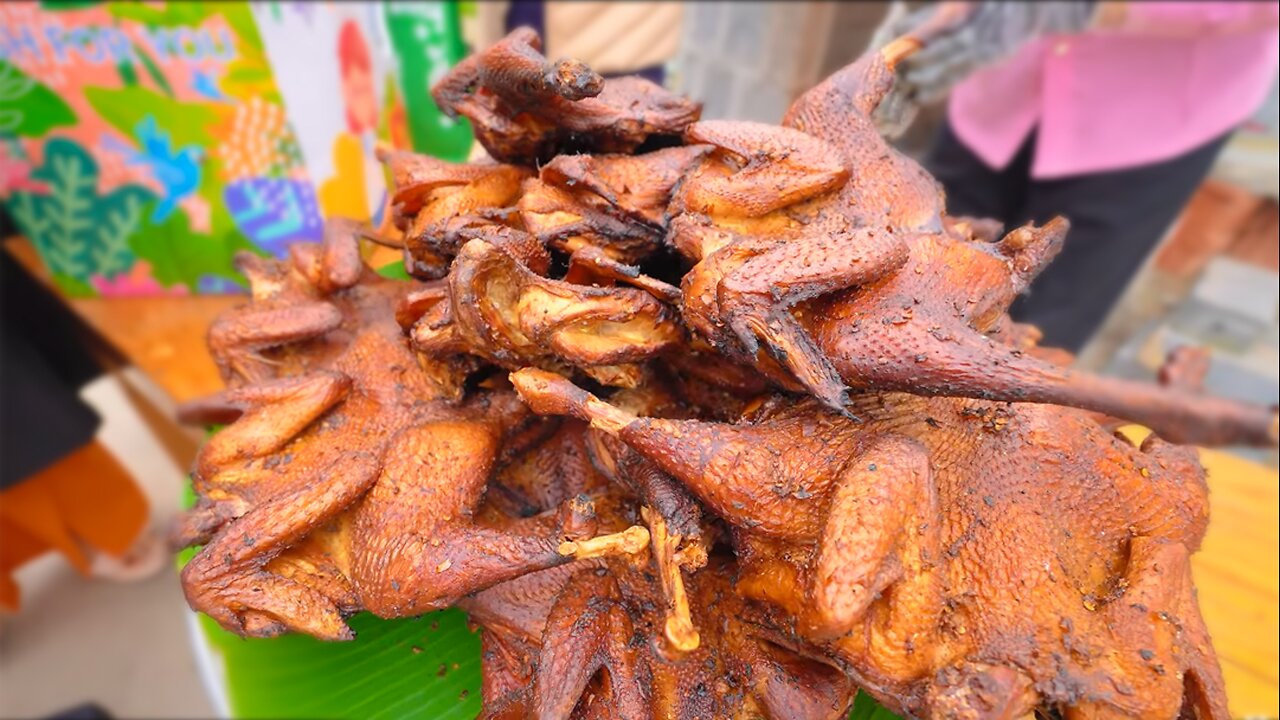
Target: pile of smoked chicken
x=703, y=420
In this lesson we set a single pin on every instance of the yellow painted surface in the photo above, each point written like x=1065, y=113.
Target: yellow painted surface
x=1237, y=575
x=343, y=195
x=1237, y=572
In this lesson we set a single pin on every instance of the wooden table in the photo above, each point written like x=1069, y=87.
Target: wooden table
x=164, y=337
x=1237, y=569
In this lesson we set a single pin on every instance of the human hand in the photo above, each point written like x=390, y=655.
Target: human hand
x=924, y=24
x=986, y=33
x=957, y=39
x=929, y=25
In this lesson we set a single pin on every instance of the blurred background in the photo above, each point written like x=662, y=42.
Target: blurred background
x=143, y=145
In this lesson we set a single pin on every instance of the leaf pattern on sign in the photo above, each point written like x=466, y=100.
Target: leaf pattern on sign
x=77, y=232
x=181, y=257
x=13, y=83
x=111, y=256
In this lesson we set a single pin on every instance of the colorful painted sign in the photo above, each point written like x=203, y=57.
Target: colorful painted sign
x=143, y=144
x=426, y=40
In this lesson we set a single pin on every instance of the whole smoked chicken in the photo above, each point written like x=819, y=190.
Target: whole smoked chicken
x=823, y=208
x=942, y=530
x=704, y=419
x=349, y=479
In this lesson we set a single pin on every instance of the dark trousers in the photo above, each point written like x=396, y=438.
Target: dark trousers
x=1117, y=218
x=45, y=358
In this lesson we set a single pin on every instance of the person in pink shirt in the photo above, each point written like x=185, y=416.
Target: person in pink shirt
x=1112, y=124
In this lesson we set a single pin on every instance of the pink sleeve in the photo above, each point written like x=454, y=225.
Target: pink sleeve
x=1195, y=18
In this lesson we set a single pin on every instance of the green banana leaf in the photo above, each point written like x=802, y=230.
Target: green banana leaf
x=865, y=707
x=424, y=668
x=395, y=271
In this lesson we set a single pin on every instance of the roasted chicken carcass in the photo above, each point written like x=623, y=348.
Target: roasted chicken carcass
x=906, y=299
x=594, y=638
x=499, y=305
x=772, y=219
x=350, y=478
x=828, y=458
x=594, y=654
x=960, y=558
x=435, y=199
x=617, y=203
x=289, y=306
x=527, y=109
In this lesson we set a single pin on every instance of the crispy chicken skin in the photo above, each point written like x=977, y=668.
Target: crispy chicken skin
x=941, y=545
x=592, y=639
x=348, y=480
x=497, y=306
x=822, y=208
x=594, y=659
x=586, y=641
x=616, y=203
x=704, y=419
